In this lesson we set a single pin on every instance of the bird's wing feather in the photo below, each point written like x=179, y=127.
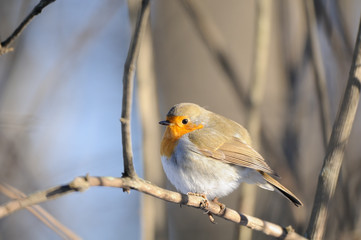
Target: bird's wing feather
x=282, y=189
x=228, y=149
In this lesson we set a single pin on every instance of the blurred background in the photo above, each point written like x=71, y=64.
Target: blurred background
x=263, y=64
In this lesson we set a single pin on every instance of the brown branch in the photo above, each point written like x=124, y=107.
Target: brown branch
x=212, y=38
x=153, y=212
x=5, y=45
x=84, y=183
x=40, y=213
x=319, y=71
x=328, y=177
x=128, y=82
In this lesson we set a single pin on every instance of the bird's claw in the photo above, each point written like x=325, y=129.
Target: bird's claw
x=221, y=205
x=211, y=218
x=204, y=203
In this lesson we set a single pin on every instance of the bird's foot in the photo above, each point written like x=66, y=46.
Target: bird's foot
x=204, y=203
x=211, y=218
x=221, y=205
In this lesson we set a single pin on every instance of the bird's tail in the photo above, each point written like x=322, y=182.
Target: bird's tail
x=285, y=192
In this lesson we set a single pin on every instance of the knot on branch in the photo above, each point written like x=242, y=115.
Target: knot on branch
x=4, y=50
x=124, y=120
x=290, y=229
x=41, y=5
x=80, y=184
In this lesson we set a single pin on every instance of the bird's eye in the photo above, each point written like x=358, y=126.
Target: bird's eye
x=185, y=121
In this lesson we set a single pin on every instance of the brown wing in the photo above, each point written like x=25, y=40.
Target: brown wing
x=230, y=150
x=282, y=189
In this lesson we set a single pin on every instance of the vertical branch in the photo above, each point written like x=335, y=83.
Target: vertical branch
x=128, y=82
x=327, y=179
x=255, y=97
x=319, y=71
x=153, y=212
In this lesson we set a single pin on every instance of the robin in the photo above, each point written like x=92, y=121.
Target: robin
x=206, y=154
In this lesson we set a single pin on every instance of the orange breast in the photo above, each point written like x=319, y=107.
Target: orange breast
x=168, y=143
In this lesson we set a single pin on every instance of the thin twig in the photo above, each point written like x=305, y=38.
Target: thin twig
x=128, y=82
x=328, y=177
x=84, y=183
x=5, y=45
x=216, y=44
x=40, y=213
x=319, y=71
x=153, y=212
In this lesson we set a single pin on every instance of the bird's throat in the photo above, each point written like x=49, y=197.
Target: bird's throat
x=174, y=132
x=169, y=142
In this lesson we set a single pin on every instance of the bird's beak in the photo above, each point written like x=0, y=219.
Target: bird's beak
x=166, y=122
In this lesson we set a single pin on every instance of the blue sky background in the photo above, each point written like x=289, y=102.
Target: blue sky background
x=64, y=99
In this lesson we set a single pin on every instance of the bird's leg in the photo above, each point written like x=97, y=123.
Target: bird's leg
x=211, y=218
x=221, y=205
x=204, y=204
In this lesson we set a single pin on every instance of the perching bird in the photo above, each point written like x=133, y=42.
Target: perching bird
x=207, y=154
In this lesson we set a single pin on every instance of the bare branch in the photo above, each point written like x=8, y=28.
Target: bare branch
x=328, y=177
x=5, y=45
x=153, y=212
x=128, y=82
x=40, y=213
x=84, y=183
x=215, y=43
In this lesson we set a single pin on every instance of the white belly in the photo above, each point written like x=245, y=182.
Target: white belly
x=190, y=171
